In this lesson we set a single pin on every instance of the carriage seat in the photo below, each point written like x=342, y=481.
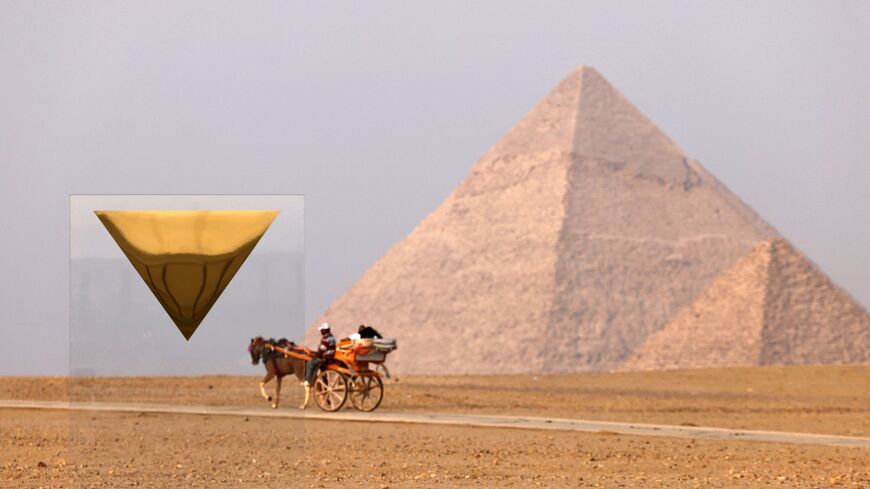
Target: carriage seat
x=360, y=346
x=368, y=350
x=365, y=344
x=384, y=344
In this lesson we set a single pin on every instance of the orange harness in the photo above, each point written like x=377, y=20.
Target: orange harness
x=304, y=354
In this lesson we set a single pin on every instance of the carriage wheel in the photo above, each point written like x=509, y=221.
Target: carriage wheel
x=330, y=390
x=366, y=393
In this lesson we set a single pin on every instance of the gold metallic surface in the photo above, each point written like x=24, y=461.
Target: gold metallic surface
x=187, y=258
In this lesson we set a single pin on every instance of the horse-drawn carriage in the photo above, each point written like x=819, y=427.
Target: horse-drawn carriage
x=356, y=372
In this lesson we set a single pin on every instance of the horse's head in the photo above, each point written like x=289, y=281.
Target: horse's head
x=255, y=348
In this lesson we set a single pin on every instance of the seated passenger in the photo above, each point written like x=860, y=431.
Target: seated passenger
x=366, y=332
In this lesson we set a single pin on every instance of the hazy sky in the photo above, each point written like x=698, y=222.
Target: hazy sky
x=376, y=110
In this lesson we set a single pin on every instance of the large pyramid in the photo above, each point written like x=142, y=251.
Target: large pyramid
x=772, y=307
x=582, y=232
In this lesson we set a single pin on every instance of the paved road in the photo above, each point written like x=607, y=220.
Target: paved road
x=480, y=420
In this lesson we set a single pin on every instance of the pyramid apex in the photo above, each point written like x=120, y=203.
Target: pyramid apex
x=586, y=116
x=779, y=242
x=764, y=246
x=583, y=71
x=777, y=245
x=581, y=68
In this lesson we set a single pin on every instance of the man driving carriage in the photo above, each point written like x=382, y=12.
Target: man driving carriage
x=325, y=351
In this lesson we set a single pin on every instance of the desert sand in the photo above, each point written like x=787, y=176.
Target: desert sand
x=82, y=449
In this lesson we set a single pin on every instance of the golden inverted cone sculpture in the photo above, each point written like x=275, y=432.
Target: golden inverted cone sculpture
x=187, y=258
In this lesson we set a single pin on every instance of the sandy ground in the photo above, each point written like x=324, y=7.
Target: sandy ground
x=129, y=450
x=80, y=449
x=829, y=399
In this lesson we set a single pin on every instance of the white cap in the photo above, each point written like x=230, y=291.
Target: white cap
x=323, y=326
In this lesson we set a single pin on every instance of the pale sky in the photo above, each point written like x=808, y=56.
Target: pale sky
x=376, y=110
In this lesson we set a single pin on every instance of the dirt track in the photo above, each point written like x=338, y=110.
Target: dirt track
x=462, y=420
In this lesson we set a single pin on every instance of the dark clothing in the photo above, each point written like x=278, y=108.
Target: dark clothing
x=326, y=349
x=312, y=367
x=369, y=332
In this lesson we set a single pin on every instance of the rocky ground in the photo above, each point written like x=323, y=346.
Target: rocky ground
x=80, y=449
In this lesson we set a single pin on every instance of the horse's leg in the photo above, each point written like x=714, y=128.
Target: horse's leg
x=307, y=388
x=277, y=391
x=266, y=379
x=299, y=371
x=307, y=397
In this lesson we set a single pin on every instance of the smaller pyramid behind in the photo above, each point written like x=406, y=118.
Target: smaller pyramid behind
x=772, y=307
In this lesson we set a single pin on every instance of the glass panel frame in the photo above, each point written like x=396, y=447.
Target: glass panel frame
x=126, y=352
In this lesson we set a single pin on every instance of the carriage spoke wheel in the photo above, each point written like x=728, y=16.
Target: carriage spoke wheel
x=366, y=393
x=330, y=390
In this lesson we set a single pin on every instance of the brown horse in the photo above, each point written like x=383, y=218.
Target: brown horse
x=277, y=364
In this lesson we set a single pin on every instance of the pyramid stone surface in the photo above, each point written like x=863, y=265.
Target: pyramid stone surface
x=773, y=307
x=574, y=238
x=722, y=327
x=807, y=318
